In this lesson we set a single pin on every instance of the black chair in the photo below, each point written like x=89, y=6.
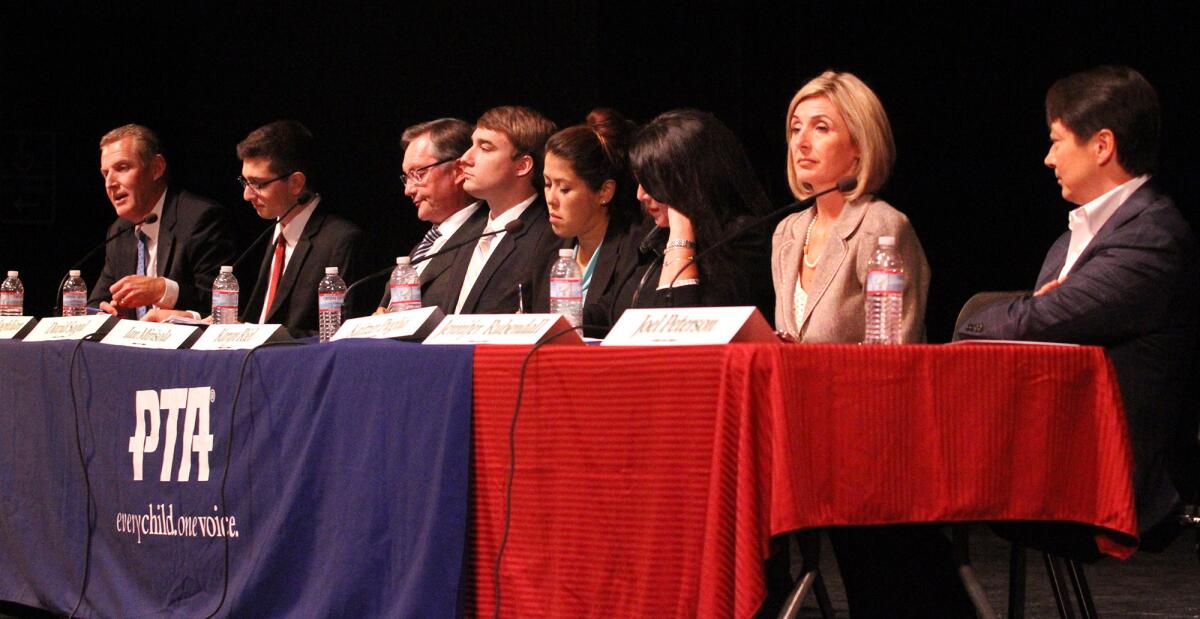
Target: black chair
x=1060, y=570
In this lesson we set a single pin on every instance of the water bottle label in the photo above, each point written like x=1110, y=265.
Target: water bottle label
x=566, y=288
x=224, y=299
x=74, y=299
x=330, y=302
x=11, y=301
x=884, y=281
x=406, y=293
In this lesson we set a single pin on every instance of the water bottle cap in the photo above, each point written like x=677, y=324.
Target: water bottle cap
x=887, y=241
x=403, y=260
x=227, y=269
x=73, y=273
x=331, y=270
x=12, y=273
x=566, y=253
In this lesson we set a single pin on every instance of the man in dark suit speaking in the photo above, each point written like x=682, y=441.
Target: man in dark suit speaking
x=170, y=262
x=1122, y=276
x=277, y=180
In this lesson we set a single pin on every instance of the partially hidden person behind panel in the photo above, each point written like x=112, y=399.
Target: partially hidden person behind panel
x=696, y=184
x=171, y=262
x=278, y=180
x=592, y=202
x=1123, y=275
x=433, y=181
x=503, y=168
x=837, y=127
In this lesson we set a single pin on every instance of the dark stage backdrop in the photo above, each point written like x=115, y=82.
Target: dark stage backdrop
x=963, y=88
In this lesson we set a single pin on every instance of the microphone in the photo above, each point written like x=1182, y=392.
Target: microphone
x=844, y=184
x=512, y=226
x=148, y=219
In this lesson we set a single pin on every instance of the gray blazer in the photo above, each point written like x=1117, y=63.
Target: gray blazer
x=835, y=311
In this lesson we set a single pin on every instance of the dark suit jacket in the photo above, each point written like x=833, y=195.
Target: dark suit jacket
x=327, y=241
x=520, y=257
x=437, y=287
x=1132, y=290
x=618, y=256
x=193, y=242
x=738, y=274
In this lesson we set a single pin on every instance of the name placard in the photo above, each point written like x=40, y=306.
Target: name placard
x=16, y=327
x=239, y=336
x=503, y=329
x=70, y=327
x=409, y=325
x=151, y=335
x=689, y=326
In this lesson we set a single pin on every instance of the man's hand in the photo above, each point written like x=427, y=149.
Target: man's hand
x=134, y=291
x=1050, y=285
x=161, y=315
x=107, y=308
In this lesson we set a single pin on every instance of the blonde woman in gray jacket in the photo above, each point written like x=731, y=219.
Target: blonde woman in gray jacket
x=836, y=127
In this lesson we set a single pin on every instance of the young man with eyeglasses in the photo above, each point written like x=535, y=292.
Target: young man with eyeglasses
x=503, y=168
x=277, y=180
x=433, y=181
x=170, y=262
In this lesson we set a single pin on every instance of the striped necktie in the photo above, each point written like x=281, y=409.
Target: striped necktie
x=142, y=244
x=423, y=247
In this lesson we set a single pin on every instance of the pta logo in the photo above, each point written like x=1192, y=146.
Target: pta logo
x=197, y=434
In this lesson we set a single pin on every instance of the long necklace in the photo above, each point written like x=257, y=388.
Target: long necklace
x=814, y=263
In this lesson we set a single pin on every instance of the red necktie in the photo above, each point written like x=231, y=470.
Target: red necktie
x=276, y=271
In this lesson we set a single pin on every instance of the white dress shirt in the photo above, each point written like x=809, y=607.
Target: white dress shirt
x=1087, y=220
x=447, y=229
x=291, y=236
x=171, y=292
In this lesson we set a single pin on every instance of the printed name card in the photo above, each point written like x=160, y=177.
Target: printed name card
x=16, y=327
x=151, y=335
x=503, y=329
x=70, y=327
x=689, y=326
x=410, y=325
x=239, y=336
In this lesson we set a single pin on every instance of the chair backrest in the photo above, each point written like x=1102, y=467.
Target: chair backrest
x=978, y=301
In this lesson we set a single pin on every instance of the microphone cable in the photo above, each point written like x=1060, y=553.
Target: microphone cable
x=512, y=459
x=237, y=392
x=87, y=482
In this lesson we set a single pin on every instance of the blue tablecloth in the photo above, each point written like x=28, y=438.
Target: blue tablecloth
x=346, y=492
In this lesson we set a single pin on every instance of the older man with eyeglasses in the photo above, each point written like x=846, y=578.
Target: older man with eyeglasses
x=433, y=181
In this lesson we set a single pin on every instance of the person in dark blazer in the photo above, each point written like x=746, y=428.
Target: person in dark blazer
x=182, y=250
x=433, y=181
x=503, y=168
x=1122, y=276
x=590, y=194
x=698, y=187
x=277, y=167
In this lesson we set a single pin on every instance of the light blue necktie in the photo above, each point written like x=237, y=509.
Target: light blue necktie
x=142, y=240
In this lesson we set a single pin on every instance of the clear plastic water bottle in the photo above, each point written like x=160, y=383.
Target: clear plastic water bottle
x=225, y=298
x=74, y=295
x=885, y=294
x=566, y=288
x=405, y=286
x=331, y=297
x=12, y=296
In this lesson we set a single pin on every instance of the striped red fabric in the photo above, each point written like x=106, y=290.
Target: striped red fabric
x=649, y=481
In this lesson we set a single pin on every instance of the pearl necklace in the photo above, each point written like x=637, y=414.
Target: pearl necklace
x=804, y=256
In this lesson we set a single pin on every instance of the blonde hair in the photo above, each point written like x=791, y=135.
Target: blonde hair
x=146, y=140
x=869, y=128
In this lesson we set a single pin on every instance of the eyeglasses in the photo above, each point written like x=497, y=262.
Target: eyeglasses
x=257, y=186
x=418, y=176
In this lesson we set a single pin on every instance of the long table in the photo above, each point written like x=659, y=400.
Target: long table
x=345, y=492
x=647, y=483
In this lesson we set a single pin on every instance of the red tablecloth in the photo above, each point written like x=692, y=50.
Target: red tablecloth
x=649, y=481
